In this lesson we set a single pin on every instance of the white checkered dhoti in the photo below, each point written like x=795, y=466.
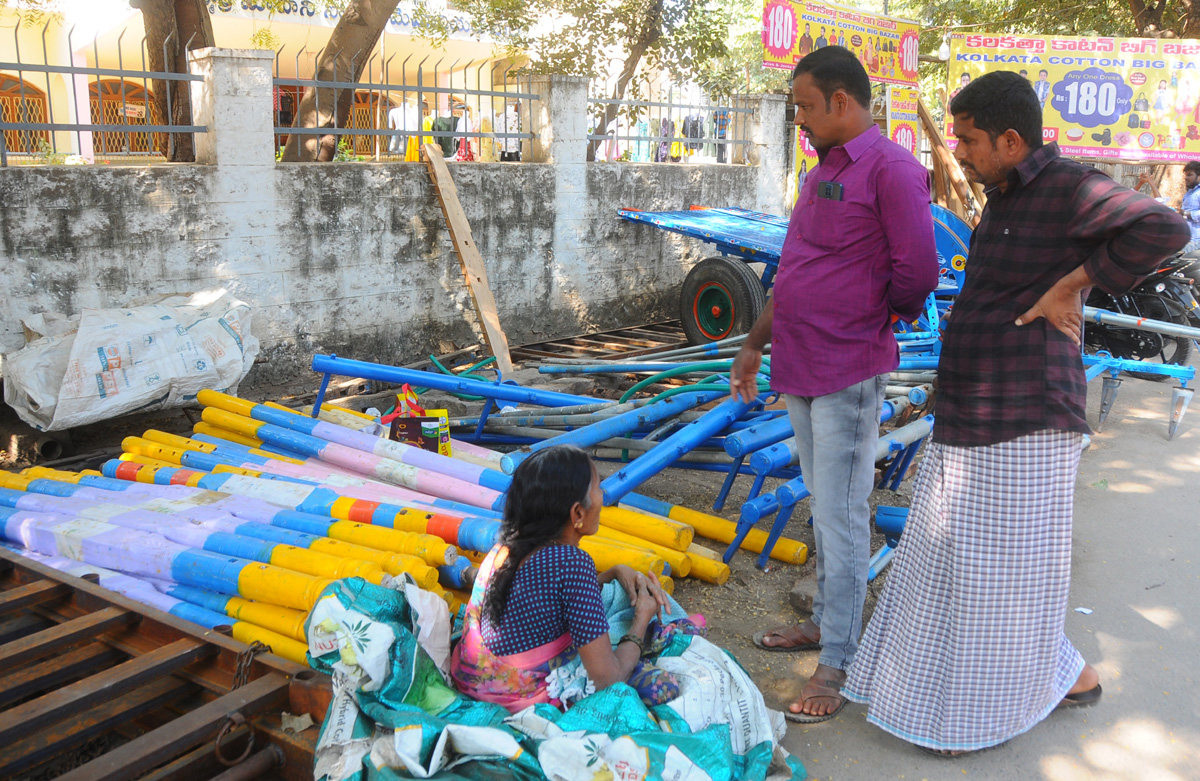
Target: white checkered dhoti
x=966, y=648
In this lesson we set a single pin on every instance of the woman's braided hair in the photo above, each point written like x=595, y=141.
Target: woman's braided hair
x=544, y=488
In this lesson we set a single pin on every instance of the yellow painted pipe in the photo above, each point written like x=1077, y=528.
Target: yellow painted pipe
x=223, y=433
x=680, y=563
x=428, y=548
x=606, y=555
x=667, y=584
x=14, y=481
x=721, y=530
x=174, y=440
x=211, y=398
x=46, y=473
x=323, y=565
x=656, y=529
x=146, y=461
x=185, y=443
x=284, y=620
x=451, y=598
x=335, y=408
x=280, y=645
x=392, y=563
x=476, y=557
x=240, y=424
x=279, y=586
x=707, y=565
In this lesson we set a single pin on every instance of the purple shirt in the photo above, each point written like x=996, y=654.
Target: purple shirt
x=847, y=266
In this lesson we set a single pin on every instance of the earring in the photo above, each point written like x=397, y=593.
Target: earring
x=578, y=526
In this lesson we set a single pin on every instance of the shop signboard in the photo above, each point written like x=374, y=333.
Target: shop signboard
x=1119, y=98
x=886, y=46
x=902, y=116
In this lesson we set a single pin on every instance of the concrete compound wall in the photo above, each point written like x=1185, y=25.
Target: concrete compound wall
x=354, y=258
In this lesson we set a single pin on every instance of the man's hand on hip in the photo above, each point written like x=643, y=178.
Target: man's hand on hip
x=1061, y=307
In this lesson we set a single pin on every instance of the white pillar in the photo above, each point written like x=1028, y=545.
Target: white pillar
x=235, y=103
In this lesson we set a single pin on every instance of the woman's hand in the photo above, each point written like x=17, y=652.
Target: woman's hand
x=645, y=604
x=630, y=579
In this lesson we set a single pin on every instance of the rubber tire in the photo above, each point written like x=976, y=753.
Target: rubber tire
x=1153, y=306
x=745, y=294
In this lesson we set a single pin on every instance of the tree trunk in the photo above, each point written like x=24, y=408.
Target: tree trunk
x=344, y=59
x=178, y=26
x=1147, y=17
x=651, y=34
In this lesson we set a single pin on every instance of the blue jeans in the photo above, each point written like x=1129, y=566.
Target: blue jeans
x=837, y=435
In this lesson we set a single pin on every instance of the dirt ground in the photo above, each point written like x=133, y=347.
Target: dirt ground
x=755, y=599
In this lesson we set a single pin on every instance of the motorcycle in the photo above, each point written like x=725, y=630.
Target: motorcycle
x=1165, y=295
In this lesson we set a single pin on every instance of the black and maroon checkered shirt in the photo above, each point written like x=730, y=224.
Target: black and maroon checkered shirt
x=998, y=381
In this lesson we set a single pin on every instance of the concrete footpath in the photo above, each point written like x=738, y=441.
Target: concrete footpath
x=1136, y=566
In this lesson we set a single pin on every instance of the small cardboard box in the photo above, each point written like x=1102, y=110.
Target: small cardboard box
x=428, y=432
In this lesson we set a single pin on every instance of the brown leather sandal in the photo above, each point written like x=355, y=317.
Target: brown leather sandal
x=796, y=637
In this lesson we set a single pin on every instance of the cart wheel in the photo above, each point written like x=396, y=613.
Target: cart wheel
x=721, y=297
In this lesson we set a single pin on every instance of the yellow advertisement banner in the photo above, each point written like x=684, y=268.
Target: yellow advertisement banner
x=902, y=119
x=804, y=159
x=1119, y=98
x=886, y=46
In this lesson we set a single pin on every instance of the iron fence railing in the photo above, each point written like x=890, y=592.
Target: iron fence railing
x=658, y=123
x=476, y=111
x=121, y=118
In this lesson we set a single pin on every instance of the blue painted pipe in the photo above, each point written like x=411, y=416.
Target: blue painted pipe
x=345, y=367
x=913, y=363
x=757, y=437
x=783, y=454
x=616, y=426
x=625, y=368
x=672, y=448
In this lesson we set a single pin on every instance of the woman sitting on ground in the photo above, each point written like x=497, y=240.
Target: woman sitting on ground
x=536, y=605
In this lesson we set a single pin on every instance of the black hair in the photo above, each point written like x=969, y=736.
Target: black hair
x=1192, y=166
x=1000, y=101
x=834, y=68
x=544, y=488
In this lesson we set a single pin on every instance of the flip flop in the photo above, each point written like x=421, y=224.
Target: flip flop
x=797, y=643
x=825, y=688
x=1082, y=699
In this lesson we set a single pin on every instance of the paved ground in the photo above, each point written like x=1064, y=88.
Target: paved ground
x=1137, y=547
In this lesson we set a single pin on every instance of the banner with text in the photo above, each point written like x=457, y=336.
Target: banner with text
x=1122, y=98
x=902, y=120
x=886, y=46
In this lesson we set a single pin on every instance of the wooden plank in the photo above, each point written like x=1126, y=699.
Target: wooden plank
x=47, y=709
x=15, y=599
x=183, y=734
x=46, y=744
x=958, y=181
x=53, y=672
x=48, y=641
x=474, y=270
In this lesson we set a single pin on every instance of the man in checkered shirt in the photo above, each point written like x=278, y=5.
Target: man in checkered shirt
x=966, y=648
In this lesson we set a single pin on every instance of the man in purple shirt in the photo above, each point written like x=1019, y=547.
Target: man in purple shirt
x=859, y=251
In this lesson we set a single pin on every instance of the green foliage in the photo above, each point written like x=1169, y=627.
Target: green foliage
x=596, y=37
x=345, y=152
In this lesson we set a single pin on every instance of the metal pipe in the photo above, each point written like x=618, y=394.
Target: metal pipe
x=911, y=378
x=551, y=421
x=630, y=368
x=672, y=448
x=624, y=423
x=344, y=367
x=785, y=453
x=256, y=766
x=757, y=437
x=1104, y=317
